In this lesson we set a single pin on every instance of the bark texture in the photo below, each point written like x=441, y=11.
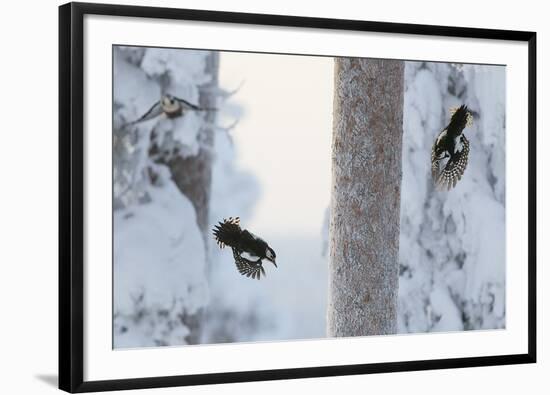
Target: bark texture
x=365, y=202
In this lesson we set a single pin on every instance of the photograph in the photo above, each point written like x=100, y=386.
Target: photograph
x=264, y=197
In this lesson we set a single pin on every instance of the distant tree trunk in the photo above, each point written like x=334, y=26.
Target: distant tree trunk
x=366, y=189
x=193, y=175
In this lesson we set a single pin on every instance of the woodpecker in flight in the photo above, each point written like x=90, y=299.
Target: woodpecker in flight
x=248, y=249
x=450, y=150
x=171, y=106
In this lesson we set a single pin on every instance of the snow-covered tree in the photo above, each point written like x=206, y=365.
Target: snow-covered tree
x=162, y=181
x=364, y=212
x=193, y=173
x=172, y=178
x=452, y=247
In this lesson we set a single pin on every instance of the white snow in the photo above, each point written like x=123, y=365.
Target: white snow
x=159, y=253
x=159, y=269
x=452, y=244
x=452, y=251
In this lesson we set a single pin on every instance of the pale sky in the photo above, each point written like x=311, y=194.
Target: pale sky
x=284, y=136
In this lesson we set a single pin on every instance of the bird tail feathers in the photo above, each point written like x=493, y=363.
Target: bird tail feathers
x=460, y=118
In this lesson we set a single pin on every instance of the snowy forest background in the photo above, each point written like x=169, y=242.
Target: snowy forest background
x=175, y=178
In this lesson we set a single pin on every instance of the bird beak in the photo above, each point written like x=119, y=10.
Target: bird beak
x=273, y=261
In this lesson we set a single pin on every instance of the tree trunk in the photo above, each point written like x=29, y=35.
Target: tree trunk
x=366, y=189
x=193, y=175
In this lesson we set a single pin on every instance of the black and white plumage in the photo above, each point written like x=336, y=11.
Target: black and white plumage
x=450, y=150
x=171, y=106
x=248, y=249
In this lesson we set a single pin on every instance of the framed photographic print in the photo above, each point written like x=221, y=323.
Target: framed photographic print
x=253, y=197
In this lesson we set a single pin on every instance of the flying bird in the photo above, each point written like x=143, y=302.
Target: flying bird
x=171, y=106
x=450, y=150
x=248, y=249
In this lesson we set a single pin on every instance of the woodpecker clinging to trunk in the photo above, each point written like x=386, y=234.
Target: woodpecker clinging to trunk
x=171, y=106
x=248, y=249
x=452, y=145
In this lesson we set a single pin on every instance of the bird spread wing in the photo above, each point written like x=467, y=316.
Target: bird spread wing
x=190, y=106
x=187, y=105
x=247, y=267
x=454, y=168
x=435, y=162
x=154, y=111
x=228, y=232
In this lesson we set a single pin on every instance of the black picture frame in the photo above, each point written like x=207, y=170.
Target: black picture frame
x=71, y=195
